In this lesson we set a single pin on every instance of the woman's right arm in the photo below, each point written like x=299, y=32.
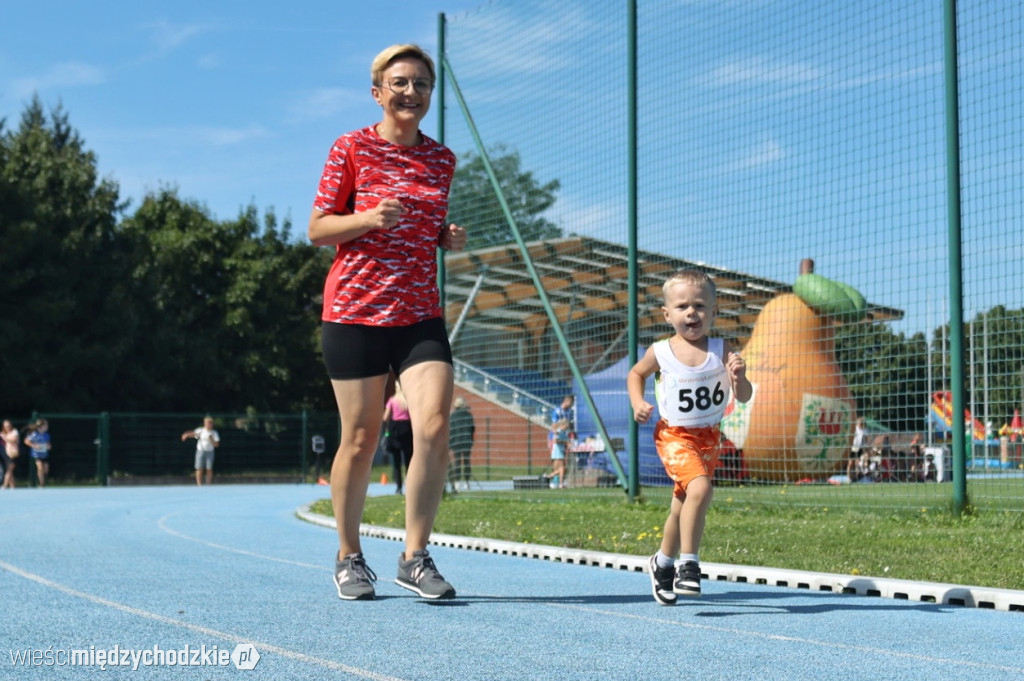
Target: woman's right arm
x=331, y=229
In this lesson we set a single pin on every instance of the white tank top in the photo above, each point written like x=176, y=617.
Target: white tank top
x=694, y=397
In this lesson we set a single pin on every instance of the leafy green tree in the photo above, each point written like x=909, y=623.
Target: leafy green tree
x=997, y=362
x=65, y=324
x=230, y=311
x=166, y=310
x=887, y=374
x=273, y=313
x=180, y=360
x=474, y=205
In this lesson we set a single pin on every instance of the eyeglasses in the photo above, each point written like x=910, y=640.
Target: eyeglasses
x=399, y=86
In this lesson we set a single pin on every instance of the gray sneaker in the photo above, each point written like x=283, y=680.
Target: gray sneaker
x=354, y=578
x=420, y=575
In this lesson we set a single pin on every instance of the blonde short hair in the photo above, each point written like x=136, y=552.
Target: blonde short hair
x=692, y=277
x=390, y=54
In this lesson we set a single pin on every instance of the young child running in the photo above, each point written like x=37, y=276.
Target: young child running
x=694, y=375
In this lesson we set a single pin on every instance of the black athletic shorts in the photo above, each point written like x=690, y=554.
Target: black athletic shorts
x=357, y=351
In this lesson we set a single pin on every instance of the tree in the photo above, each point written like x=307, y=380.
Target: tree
x=887, y=374
x=65, y=323
x=166, y=310
x=993, y=359
x=474, y=205
x=273, y=318
x=230, y=311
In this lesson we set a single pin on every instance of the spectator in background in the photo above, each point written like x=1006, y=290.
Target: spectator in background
x=559, y=437
x=916, y=459
x=9, y=452
x=38, y=440
x=460, y=442
x=882, y=459
x=398, y=435
x=857, y=448
x=207, y=440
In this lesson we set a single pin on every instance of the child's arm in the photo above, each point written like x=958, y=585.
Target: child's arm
x=737, y=368
x=635, y=381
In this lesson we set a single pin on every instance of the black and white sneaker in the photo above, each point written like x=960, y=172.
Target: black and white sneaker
x=688, y=579
x=661, y=582
x=354, y=578
x=421, y=576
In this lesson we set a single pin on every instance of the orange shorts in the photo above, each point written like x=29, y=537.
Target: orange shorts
x=687, y=453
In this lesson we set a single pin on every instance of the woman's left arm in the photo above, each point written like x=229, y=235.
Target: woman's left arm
x=453, y=238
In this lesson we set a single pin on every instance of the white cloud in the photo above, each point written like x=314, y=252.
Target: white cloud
x=582, y=214
x=765, y=153
x=165, y=38
x=323, y=103
x=508, y=39
x=176, y=139
x=208, y=62
x=226, y=136
x=67, y=74
x=763, y=71
x=169, y=37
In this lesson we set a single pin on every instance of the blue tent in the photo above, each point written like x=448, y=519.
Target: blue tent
x=608, y=390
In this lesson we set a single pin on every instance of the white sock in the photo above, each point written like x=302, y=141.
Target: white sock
x=687, y=558
x=663, y=561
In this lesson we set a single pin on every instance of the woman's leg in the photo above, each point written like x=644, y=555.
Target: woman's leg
x=428, y=388
x=360, y=406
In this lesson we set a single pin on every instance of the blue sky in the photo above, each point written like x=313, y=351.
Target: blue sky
x=779, y=130
x=231, y=102
x=769, y=131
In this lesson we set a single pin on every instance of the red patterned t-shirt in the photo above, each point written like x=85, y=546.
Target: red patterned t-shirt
x=386, y=278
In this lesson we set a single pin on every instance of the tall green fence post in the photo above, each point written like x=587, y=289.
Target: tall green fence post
x=631, y=201
x=442, y=272
x=954, y=235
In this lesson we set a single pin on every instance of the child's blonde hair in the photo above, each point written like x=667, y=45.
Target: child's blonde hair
x=692, y=277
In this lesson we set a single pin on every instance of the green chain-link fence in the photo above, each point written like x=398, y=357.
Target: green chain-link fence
x=883, y=141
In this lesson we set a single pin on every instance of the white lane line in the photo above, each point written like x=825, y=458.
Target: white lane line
x=398, y=535
x=162, y=524
x=790, y=639
x=306, y=515
x=261, y=646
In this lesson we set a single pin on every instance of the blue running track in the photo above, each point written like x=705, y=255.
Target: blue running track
x=165, y=571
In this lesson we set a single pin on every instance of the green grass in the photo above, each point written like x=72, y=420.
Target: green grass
x=805, y=528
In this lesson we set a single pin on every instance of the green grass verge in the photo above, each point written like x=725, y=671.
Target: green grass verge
x=921, y=541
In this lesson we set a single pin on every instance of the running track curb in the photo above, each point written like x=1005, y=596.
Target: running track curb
x=901, y=589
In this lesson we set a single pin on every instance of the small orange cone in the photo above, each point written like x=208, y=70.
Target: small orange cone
x=322, y=481
x=383, y=478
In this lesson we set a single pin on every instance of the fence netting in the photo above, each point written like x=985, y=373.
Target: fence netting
x=797, y=153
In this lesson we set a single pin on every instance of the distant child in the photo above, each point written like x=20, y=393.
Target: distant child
x=694, y=376
x=38, y=440
x=9, y=452
x=559, y=438
x=207, y=440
